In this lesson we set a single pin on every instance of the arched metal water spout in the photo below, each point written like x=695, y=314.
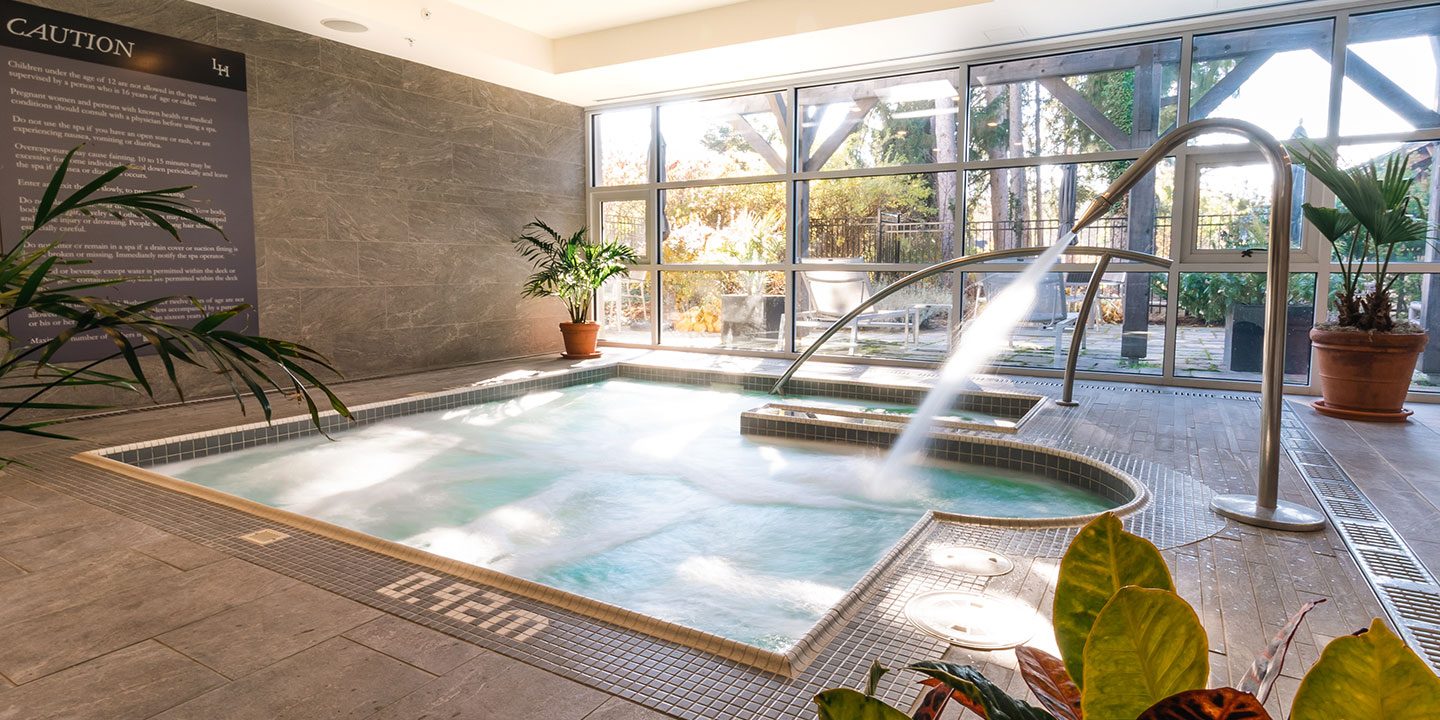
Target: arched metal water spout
x=1264, y=508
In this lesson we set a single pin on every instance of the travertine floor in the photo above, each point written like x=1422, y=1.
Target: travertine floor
x=106, y=617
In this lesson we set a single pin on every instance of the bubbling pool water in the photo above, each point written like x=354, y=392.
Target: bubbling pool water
x=980, y=342
x=643, y=495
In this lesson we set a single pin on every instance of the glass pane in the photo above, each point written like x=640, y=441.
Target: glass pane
x=625, y=309
x=914, y=323
x=1029, y=207
x=624, y=221
x=1423, y=190
x=1275, y=77
x=1390, y=72
x=886, y=219
x=1417, y=299
x=906, y=120
x=622, y=146
x=1221, y=326
x=1126, y=331
x=732, y=309
x=733, y=137
x=1108, y=99
x=1234, y=207
x=724, y=224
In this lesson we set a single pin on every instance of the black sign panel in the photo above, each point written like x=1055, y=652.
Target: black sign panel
x=174, y=112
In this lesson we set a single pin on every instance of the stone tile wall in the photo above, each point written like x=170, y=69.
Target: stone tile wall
x=386, y=194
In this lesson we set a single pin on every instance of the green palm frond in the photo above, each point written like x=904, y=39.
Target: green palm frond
x=30, y=280
x=570, y=268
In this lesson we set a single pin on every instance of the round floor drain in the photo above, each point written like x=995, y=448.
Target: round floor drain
x=971, y=620
x=971, y=560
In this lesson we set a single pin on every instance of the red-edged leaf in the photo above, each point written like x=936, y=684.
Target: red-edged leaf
x=970, y=704
x=936, y=697
x=1268, y=663
x=1051, y=683
x=1217, y=704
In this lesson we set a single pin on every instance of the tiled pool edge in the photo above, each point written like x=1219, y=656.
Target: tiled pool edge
x=130, y=460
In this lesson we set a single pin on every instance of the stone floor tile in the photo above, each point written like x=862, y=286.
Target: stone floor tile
x=62, y=586
x=79, y=543
x=416, y=644
x=248, y=637
x=8, y=571
x=131, y=683
x=181, y=553
x=334, y=680
x=494, y=686
x=619, y=709
x=41, y=521
x=38, y=646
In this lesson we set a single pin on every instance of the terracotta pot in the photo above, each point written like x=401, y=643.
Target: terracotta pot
x=580, y=340
x=1363, y=375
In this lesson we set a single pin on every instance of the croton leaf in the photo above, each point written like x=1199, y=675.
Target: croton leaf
x=977, y=693
x=1217, y=704
x=1368, y=676
x=847, y=704
x=1268, y=664
x=1146, y=646
x=1047, y=678
x=1102, y=559
x=937, y=696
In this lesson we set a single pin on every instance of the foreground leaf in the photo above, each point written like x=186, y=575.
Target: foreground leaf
x=1268, y=664
x=1102, y=559
x=847, y=704
x=1373, y=675
x=977, y=693
x=1047, y=678
x=1218, y=704
x=936, y=698
x=1146, y=646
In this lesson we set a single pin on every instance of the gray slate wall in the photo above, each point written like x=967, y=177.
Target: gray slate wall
x=386, y=193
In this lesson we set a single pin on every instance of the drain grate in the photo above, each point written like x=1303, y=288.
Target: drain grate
x=1350, y=510
x=1415, y=605
x=1371, y=535
x=1392, y=565
x=1339, y=491
x=1429, y=641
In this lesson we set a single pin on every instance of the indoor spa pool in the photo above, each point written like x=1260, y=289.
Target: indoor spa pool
x=640, y=494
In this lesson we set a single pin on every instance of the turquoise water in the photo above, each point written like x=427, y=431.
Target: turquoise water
x=644, y=495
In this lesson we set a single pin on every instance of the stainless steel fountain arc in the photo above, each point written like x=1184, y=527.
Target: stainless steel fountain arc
x=1104, y=253
x=1264, y=509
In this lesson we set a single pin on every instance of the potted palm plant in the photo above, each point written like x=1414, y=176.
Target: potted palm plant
x=1365, y=357
x=572, y=269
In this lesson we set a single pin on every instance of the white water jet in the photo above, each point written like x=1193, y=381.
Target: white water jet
x=979, y=344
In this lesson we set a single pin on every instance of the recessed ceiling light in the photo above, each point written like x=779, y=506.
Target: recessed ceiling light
x=349, y=26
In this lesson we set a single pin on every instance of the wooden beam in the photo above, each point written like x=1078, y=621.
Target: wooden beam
x=1221, y=91
x=1387, y=92
x=740, y=124
x=1085, y=112
x=821, y=155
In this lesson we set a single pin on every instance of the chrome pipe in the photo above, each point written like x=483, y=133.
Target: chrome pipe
x=1067, y=392
x=947, y=266
x=1264, y=508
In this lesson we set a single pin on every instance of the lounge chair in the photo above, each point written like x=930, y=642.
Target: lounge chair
x=833, y=293
x=1049, y=317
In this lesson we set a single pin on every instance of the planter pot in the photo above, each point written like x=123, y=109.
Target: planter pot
x=580, y=340
x=1364, y=376
x=750, y=315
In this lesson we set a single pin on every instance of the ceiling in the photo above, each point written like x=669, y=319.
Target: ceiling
x=591, y=52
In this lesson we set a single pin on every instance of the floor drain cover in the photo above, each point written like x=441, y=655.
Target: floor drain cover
x=971, y=560
x=264, y=537
x=971, y=620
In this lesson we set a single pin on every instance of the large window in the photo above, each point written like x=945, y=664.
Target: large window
x=764, y=217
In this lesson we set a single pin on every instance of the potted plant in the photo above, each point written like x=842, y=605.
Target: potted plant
x=1365, y=357
x=572, y=269
x=32, y=280
x=1132, y=649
